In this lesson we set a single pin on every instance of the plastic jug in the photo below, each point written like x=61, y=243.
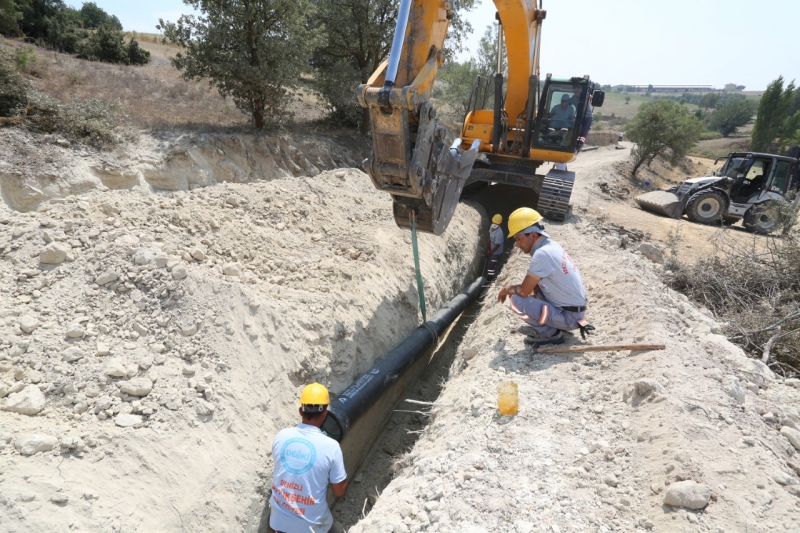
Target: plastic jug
x=507, y=398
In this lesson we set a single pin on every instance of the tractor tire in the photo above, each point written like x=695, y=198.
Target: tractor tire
x=763, y=218
x=707, y=207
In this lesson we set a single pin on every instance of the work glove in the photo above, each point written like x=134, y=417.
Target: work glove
x=586, y=330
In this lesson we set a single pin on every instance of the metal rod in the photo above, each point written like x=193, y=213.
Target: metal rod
x=499, y=47
x=397, y=42
x=578, y=348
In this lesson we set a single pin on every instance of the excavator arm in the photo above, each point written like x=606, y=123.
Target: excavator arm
x=409, y=158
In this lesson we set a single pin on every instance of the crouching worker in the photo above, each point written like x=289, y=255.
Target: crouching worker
x=551, y=298
x=306, y=461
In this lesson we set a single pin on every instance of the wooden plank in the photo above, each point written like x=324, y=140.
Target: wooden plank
x=578, y=348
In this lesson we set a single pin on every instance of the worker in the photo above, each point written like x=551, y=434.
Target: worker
x=551, y=298
x=563, y=114
x=495, y=246
x=588, y=115
x=306, y=461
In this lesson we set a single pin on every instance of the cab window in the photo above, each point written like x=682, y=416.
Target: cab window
x=560, y=112
x=781, y=179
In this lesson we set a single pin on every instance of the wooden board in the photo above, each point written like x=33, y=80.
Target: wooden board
x=578, y=348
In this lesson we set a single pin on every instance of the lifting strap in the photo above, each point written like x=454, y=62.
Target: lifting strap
x=420, y=288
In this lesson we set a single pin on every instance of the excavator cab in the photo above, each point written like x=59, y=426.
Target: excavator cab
x=560, y=116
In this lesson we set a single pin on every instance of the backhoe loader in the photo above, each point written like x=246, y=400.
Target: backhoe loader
x=410, y=157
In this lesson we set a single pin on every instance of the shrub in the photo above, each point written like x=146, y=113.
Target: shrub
x=88, y=121
x=107, y=44
x=709, y=135
x=13, y=89
x=754, y=291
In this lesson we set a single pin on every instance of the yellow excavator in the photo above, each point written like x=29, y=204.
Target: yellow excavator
x=410, y=157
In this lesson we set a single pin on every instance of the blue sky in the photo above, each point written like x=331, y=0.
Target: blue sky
x=703, y=42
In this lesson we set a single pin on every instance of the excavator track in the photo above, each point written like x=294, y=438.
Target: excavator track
x=554, y=195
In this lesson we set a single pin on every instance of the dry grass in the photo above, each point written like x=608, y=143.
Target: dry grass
x=153, y=96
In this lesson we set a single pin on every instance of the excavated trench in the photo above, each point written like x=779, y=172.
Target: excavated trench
x=394, y=396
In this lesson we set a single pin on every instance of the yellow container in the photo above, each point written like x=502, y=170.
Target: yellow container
x=507, y=398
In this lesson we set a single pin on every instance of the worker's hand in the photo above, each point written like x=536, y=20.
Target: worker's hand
x=489, y=254
x=505, y=292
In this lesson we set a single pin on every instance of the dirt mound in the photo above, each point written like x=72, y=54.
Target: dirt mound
x=151, y=345
x=35, y=168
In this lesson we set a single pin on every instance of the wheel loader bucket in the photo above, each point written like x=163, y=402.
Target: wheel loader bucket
x=661, y=203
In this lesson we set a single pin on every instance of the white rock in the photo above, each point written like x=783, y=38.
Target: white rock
x=76, y=331
x=179, y=272
x=203, y=408
x=188, y=330
x=198, y=254
x=59, y=498
x=688, y=494
x=54, y=253
x=115, y=369
x=30, y=444
x=792, y=382
x=102, y=349
x=782, y=478
x=523, y=526
x=28, y=323
x=232, y=269
x=611, y=480
x=651, y=252
x=28, y=401
x=139, y=328
x=106, y=277
x=793, y=435
x=735, y=390
x=128, y=421
x=137, y=386
x=72, y=354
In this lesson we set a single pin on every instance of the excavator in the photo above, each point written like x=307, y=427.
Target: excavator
x=410, y=157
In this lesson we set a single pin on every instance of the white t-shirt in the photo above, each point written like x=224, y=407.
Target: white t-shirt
x=306, y=461
x=560, y=282
x=496, y=237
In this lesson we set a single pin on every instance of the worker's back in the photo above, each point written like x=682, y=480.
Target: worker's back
x=306, y=461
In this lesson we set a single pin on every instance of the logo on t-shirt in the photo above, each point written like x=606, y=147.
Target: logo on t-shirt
x=298, y=456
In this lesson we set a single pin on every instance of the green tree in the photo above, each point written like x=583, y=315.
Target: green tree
x=458, y=79
x=357, y=39
x=251, y=50
x=10, y=17
x=662, y=128
x=106, y=44
x=708, y=100
x=93, y=17
x=773, y=112
x=733, y=114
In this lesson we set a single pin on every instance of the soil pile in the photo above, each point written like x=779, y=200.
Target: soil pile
x=151, y=345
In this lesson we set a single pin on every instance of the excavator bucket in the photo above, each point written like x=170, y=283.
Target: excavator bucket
x=663, y=203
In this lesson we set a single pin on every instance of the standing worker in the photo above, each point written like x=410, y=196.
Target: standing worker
x=306, y=461
x=495, y=246
x=551, y=298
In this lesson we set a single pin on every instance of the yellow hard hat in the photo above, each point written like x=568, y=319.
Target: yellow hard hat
x=497, y=219
x=315, y=394
x=522, y=218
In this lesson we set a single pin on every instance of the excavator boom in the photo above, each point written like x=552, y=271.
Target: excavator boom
x=410, y=158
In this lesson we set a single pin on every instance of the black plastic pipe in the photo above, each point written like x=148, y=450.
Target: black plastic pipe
x=356, y=399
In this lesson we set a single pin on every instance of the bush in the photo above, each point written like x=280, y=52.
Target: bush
x=106, y=44
x=87, y=121
x=754, y=292
x=709, y=135
x=13, y=89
